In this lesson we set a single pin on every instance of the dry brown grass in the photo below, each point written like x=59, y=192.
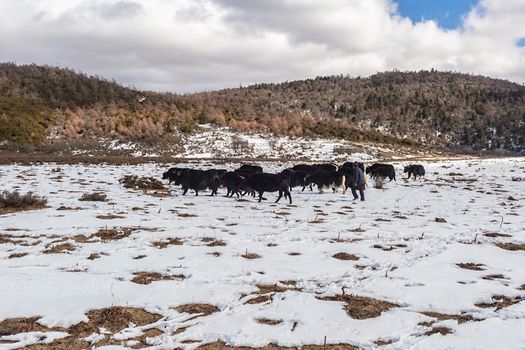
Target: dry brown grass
x=461, y=318
x=346, y=256
x=165, y=243
x=60, y=248
x=511, y=246
x=93, y=197
x=259, y=299
x=94, y=256
x=204, y=309
x=268, y=321
x=471, y=266
x=67, y=343
x=63, y=207
x=223, y=346
x=441, y=330
x=383, y=342
x=16, y=255
x=442, y=220
x=113, y=234
x=213, y=242
x=13, y=326
x=142, y=183
x=266, y=291
x=274, y=288
x=145, y=277
x=251, y=256
x=496, y=234
x=114, y=319
x=360, y=307
x=494, y=277
x=186, y=215
x=109, y=217
x=500, y=302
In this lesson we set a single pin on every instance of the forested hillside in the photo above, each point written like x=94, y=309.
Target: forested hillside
x=431, y=108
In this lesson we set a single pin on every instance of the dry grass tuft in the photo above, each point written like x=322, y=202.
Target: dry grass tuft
x=383, y=342
x=500, y=302
x=223, y=346
x=511, y=246
x=145, y=277
x=260, y=299
x=186, y=215
x=213, y=242
x=204, y=309
x=16, y=255
x=114, y=319
x=63, y=207
x=110, y=217
x=268, y=321
x=168, y=242
x=441, y=330
x=60, y=248
x=274, y=288
x=11, y=202
x=442, y=220
x=142, y=183
x=94, y=256
x=13, y=326
x=360, y=307
x=471, y=266
x=113, y=234
x=251, y=256
x=93, y=197
x=494, y=277
x=346, y=256
x=462, y=318
x=496, y=234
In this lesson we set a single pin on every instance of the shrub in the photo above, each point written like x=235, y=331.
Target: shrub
x=143, y=183
x=93, y=197
x=18, y=201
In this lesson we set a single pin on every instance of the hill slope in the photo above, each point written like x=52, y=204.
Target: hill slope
x=426, y=108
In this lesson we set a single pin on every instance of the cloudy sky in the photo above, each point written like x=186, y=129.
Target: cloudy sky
x=194, y=45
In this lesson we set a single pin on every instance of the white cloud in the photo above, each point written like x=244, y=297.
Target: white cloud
x=184, y=45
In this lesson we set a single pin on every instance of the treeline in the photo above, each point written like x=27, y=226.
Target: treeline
x=427, y=108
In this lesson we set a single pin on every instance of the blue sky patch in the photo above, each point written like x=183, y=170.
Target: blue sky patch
x=447, y=13
x=520, y=42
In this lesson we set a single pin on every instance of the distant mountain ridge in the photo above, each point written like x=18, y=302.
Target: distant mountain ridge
x=42, y=104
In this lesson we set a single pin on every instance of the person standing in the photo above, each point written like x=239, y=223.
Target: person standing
x=358, y=182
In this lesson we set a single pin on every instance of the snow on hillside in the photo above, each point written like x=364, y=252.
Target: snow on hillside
x=428, y=264
x=213, y=142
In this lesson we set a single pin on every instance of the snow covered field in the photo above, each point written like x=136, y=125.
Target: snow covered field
x=248, y=273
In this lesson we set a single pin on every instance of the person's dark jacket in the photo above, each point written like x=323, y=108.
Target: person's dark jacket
x=359, y=179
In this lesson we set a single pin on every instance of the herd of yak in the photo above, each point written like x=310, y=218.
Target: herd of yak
x=252, y=180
